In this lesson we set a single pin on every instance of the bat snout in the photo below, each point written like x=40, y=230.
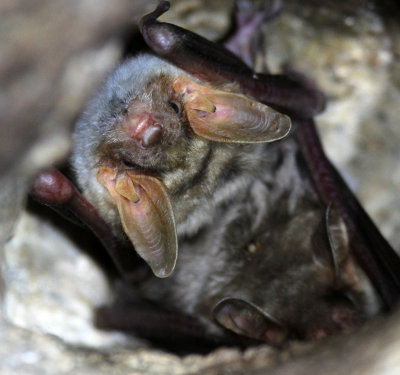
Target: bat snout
x=151, y=136
x=144, y=129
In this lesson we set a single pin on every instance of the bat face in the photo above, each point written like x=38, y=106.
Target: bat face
x=136, y=119
x=151, y=126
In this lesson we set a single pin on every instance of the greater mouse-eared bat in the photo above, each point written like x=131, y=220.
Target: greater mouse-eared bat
x=189, y=148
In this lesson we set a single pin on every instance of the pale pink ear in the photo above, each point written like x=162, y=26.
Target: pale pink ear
x=224, y=116
x=146, y=215
x=247, y=319
x=330, y=243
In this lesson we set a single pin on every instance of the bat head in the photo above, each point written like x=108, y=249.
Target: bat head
x=135, y=118
x=149, y=130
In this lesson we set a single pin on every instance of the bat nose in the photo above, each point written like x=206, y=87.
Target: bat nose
x=142, y=127
x=151, y=135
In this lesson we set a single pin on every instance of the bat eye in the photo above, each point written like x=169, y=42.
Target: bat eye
x=128, y=164
x=175, y=106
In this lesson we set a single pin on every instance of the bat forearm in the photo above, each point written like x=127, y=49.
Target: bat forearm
x=214, y=63
x=157, y=324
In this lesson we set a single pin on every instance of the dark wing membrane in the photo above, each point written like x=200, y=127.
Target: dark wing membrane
x=372, y=251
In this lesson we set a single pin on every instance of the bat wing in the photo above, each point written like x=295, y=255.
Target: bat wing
x=370, y=248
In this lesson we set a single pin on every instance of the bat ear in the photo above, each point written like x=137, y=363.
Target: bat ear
x=334, y=229
x=146, y=215
x=248, y=320
x=223, y=116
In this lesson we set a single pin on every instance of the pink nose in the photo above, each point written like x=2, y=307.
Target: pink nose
x=144, y=129
x=151, y=135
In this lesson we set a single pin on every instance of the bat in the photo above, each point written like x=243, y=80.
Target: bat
x=192, y=147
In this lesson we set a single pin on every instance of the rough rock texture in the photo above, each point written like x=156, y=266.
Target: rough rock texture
x=55, y=54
